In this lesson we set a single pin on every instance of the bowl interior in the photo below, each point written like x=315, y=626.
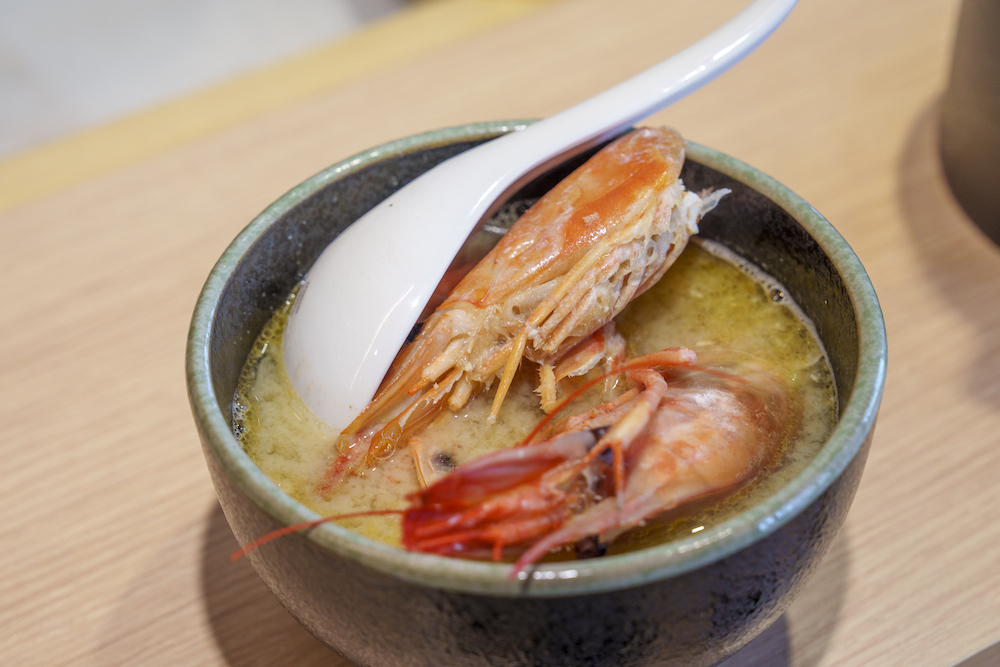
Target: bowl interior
x=761, y=221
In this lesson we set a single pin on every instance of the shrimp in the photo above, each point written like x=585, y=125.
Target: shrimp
x=684, y=432
x=571, y=263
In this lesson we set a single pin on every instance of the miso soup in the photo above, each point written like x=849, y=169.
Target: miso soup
x=708, y=300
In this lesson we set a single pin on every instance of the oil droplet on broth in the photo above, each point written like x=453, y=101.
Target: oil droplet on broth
x=708, y=300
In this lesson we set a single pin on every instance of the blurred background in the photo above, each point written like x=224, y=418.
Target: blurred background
x=70, y=64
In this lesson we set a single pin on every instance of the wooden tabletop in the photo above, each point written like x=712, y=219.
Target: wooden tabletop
x=114, y=549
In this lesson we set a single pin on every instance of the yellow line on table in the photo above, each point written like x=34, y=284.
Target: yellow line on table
x=418, y=29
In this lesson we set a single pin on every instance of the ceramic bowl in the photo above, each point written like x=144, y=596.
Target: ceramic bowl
x=693, y=601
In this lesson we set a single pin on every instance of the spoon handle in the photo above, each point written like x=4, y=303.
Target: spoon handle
x=558, y=137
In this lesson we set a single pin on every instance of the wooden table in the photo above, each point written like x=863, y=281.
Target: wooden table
x=114, y=550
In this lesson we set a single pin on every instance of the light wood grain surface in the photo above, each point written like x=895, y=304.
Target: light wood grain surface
x=114, y=550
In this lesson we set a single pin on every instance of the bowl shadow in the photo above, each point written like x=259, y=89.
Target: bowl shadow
x=249, y=625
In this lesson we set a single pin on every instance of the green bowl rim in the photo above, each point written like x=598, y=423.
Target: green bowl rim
x=568, y=578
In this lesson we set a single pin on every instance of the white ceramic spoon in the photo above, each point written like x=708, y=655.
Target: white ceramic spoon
x=365, y=292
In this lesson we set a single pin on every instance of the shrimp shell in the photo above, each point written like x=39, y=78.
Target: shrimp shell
x=692, y=431
x=571, y=263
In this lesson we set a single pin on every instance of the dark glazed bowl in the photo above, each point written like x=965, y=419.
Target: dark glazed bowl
x=691, y=602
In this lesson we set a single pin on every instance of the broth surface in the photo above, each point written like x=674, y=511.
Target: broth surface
x=708, y=300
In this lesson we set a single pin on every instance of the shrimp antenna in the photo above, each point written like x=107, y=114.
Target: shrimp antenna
x=650, y=361
x=305, y=525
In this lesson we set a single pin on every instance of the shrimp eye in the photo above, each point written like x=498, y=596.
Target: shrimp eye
x=590, y=547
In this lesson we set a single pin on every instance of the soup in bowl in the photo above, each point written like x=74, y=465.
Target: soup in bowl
x=686, y=597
